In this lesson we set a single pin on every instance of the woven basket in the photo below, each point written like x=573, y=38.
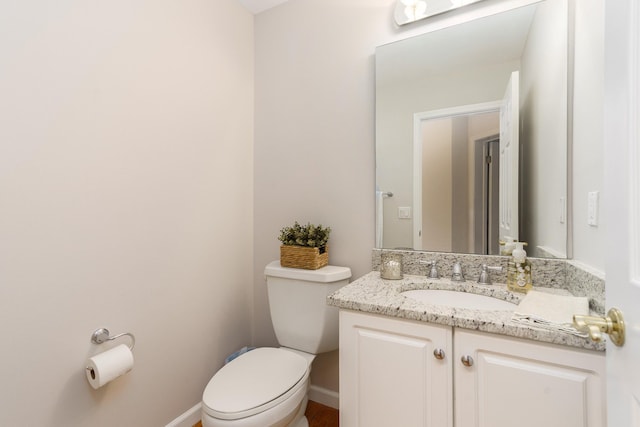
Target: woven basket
x=303, y=257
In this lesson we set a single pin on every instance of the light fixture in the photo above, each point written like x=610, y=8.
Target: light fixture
x=407, y=11
x=414, y=9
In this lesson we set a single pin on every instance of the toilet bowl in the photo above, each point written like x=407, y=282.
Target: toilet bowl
x=264, y=387
x=268, y=386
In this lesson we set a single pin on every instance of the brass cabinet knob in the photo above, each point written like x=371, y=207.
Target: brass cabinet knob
x=612, y=324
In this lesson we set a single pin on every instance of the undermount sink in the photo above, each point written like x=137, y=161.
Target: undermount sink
x=459, y=299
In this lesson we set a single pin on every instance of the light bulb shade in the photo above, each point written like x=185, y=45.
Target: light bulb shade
x=416, y=10
x=407, y=11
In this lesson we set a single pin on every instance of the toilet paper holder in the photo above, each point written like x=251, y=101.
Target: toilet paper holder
x=102, y=335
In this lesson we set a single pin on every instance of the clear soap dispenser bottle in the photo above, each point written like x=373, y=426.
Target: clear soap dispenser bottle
x=519, y=270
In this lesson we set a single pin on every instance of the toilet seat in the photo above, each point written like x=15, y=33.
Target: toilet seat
x=255, y=382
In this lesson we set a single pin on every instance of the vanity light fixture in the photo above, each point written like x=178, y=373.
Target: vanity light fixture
x=408, y=11
x=414, y=9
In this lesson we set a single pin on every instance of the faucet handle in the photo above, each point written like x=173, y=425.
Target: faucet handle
x=485, y=276
x=433, y=272
x=457, y=275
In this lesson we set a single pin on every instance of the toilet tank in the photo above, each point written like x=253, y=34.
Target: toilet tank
x=300, y=315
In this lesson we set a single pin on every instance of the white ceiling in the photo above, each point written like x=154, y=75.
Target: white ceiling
x=257, y=6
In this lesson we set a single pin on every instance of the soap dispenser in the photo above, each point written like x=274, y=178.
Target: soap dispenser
x=519, y=270
x=507, y=246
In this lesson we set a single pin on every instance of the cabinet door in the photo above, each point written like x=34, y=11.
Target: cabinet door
x=389, y=375
x=520, y=383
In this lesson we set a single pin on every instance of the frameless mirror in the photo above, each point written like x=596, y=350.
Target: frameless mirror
x=471, y=134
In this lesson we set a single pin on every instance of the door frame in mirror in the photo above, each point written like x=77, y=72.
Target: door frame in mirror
x=418, y=118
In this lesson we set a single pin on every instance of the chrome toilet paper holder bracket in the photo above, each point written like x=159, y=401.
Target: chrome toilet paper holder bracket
x=101, y=335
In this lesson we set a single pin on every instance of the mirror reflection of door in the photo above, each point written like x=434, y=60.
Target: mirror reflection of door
x=486, y=195
x=459, y=183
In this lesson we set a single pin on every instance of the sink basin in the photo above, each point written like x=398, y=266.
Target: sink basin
x=459, y=299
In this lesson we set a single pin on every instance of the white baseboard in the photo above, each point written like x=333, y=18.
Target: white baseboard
x=324, y=396
x=188, y=419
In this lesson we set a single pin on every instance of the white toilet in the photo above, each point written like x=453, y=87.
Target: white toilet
x=268, y=386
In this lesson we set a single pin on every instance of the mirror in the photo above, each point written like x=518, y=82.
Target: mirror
x=452, y=80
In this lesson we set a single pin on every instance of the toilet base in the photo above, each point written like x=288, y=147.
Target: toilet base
x=302, y=419
x=303, y=422
x=295, y=418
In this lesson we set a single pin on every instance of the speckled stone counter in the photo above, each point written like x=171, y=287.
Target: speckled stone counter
x=371, y=294
x=548, y=273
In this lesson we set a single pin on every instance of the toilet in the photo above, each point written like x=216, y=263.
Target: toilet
x=268, y=386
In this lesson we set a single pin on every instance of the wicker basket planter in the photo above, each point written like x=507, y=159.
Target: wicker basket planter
x=303, y=257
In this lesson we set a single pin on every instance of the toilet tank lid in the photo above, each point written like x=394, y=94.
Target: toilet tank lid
x=327, y=274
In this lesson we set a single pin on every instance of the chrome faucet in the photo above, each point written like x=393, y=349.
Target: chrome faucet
x=433, y=271
x=457, y=275
x=485, y=276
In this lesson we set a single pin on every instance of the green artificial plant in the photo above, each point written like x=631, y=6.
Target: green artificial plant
x=313, y=236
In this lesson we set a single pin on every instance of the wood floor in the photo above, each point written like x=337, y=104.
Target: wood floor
x=317, y=414
x=320, y=415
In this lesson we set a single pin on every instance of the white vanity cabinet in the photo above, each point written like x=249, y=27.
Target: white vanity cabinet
x=391, y=376
x=515, y=382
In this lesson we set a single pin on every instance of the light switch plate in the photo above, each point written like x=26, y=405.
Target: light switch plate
x=592, y=208
x=404, y=212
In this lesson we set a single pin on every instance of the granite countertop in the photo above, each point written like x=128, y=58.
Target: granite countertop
x=372, y=294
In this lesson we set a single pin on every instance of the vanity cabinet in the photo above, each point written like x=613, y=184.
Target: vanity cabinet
x=515, y=382
x=396, y=372
x=389, y=375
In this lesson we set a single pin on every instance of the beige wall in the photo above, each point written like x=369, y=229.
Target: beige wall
x=126, y=182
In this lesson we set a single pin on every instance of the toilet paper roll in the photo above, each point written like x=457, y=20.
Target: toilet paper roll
x=105, y=367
